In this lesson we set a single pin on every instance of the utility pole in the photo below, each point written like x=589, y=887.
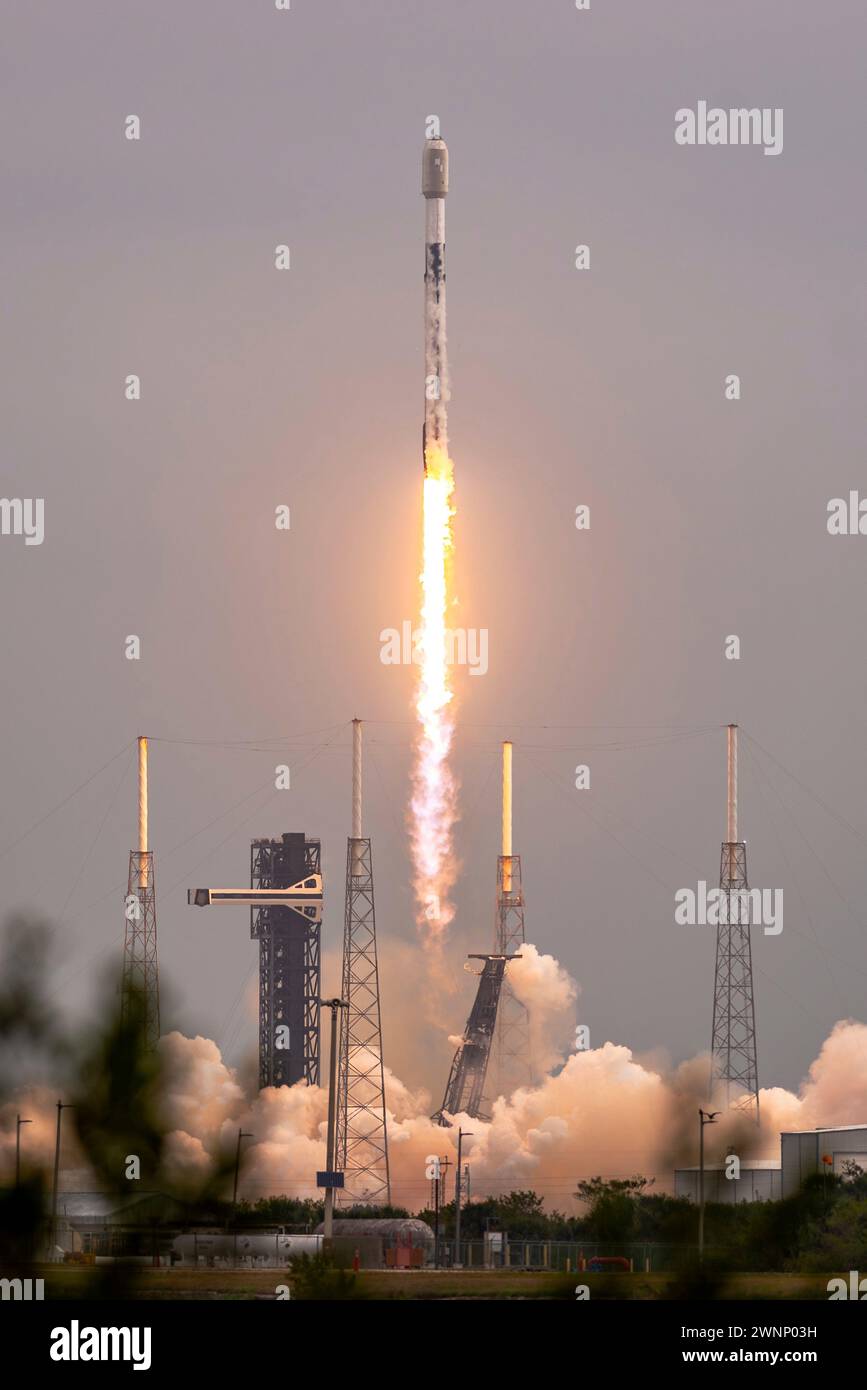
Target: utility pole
x=437, y=1217
x=18, y=1123
x=333, y=1005
x=462, y=1134
x=442, y=1193
x=437, y=1170
x=61, y=1106
x=704, y=1119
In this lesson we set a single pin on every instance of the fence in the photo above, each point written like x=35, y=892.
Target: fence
x=558, y=1256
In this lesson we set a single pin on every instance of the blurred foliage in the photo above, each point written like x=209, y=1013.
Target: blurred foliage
x=317, y=1277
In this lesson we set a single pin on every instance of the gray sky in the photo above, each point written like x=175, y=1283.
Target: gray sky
x=604, y=387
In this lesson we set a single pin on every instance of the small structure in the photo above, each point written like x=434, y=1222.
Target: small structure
x=101, y=1224
x=808, y=1151
x=841, y=1151
x=384, y=1243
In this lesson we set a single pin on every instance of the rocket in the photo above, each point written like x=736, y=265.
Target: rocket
x=435, y=186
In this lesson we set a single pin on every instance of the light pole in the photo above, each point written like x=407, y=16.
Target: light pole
x=462, y=1134
x=704, y=1118
x=437, y=1216
x=18, y=1123
x=333, y=1005
x=61, y=1106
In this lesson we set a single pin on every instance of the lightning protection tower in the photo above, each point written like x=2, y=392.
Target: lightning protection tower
x=362, y=1130
x=733, y=1041
x=512, y=1038
x=140, y=983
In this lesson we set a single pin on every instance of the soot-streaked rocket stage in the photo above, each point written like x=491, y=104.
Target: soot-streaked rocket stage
x=432, y=806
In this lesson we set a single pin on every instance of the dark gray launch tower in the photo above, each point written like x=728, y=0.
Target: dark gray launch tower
x=289, y=964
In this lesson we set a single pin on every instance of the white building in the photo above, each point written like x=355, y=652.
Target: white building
x=759, y=1181
x=807, y=1151
x=802, y=1152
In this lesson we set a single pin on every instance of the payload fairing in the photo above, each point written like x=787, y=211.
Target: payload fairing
x=435, y=186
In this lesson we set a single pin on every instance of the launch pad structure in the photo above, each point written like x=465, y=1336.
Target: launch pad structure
x=734, y=1063
x=286, y=917
x=498, y=1024
x=289, y=963
x=465, y=1088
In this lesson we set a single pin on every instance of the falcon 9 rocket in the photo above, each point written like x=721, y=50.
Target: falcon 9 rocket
x=435, y=186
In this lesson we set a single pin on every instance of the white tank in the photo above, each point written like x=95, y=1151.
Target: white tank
x=435, y=169
x=272, y=1249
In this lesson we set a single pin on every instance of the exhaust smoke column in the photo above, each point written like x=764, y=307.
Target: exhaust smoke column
x=432, y=807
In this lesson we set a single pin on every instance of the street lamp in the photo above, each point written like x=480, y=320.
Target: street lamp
x=704, y=1118
x=333, y=1005
x=18, y=1123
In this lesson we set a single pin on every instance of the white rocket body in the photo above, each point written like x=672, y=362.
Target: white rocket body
x=435, y=186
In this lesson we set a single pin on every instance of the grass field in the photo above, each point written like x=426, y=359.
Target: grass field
x=65, y=1282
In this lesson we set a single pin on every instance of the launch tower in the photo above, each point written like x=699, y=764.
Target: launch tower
x=289, y=964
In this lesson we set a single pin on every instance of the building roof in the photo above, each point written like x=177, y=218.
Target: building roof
x=824, y=1129
x=104, y=1206
x=393, y=1226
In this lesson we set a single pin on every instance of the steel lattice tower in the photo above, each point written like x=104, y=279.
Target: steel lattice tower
x=140, y=983
x=512, y=1038
x=733, y=1041
x=289, y=964
x=362, y=1127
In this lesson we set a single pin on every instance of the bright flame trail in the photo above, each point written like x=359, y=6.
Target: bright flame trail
x=433, y=799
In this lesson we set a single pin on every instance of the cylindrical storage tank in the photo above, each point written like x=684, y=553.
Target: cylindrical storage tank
x=273, y=1249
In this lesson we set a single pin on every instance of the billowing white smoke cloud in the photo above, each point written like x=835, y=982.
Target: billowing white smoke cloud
x=605, y=1112
x=548, y=993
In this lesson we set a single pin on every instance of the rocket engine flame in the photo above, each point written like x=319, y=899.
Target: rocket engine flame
x=432, y=806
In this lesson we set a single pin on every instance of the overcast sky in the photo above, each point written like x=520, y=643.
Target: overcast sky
x=603, y=387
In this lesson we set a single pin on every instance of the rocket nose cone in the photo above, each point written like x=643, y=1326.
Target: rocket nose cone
x=435, y=169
